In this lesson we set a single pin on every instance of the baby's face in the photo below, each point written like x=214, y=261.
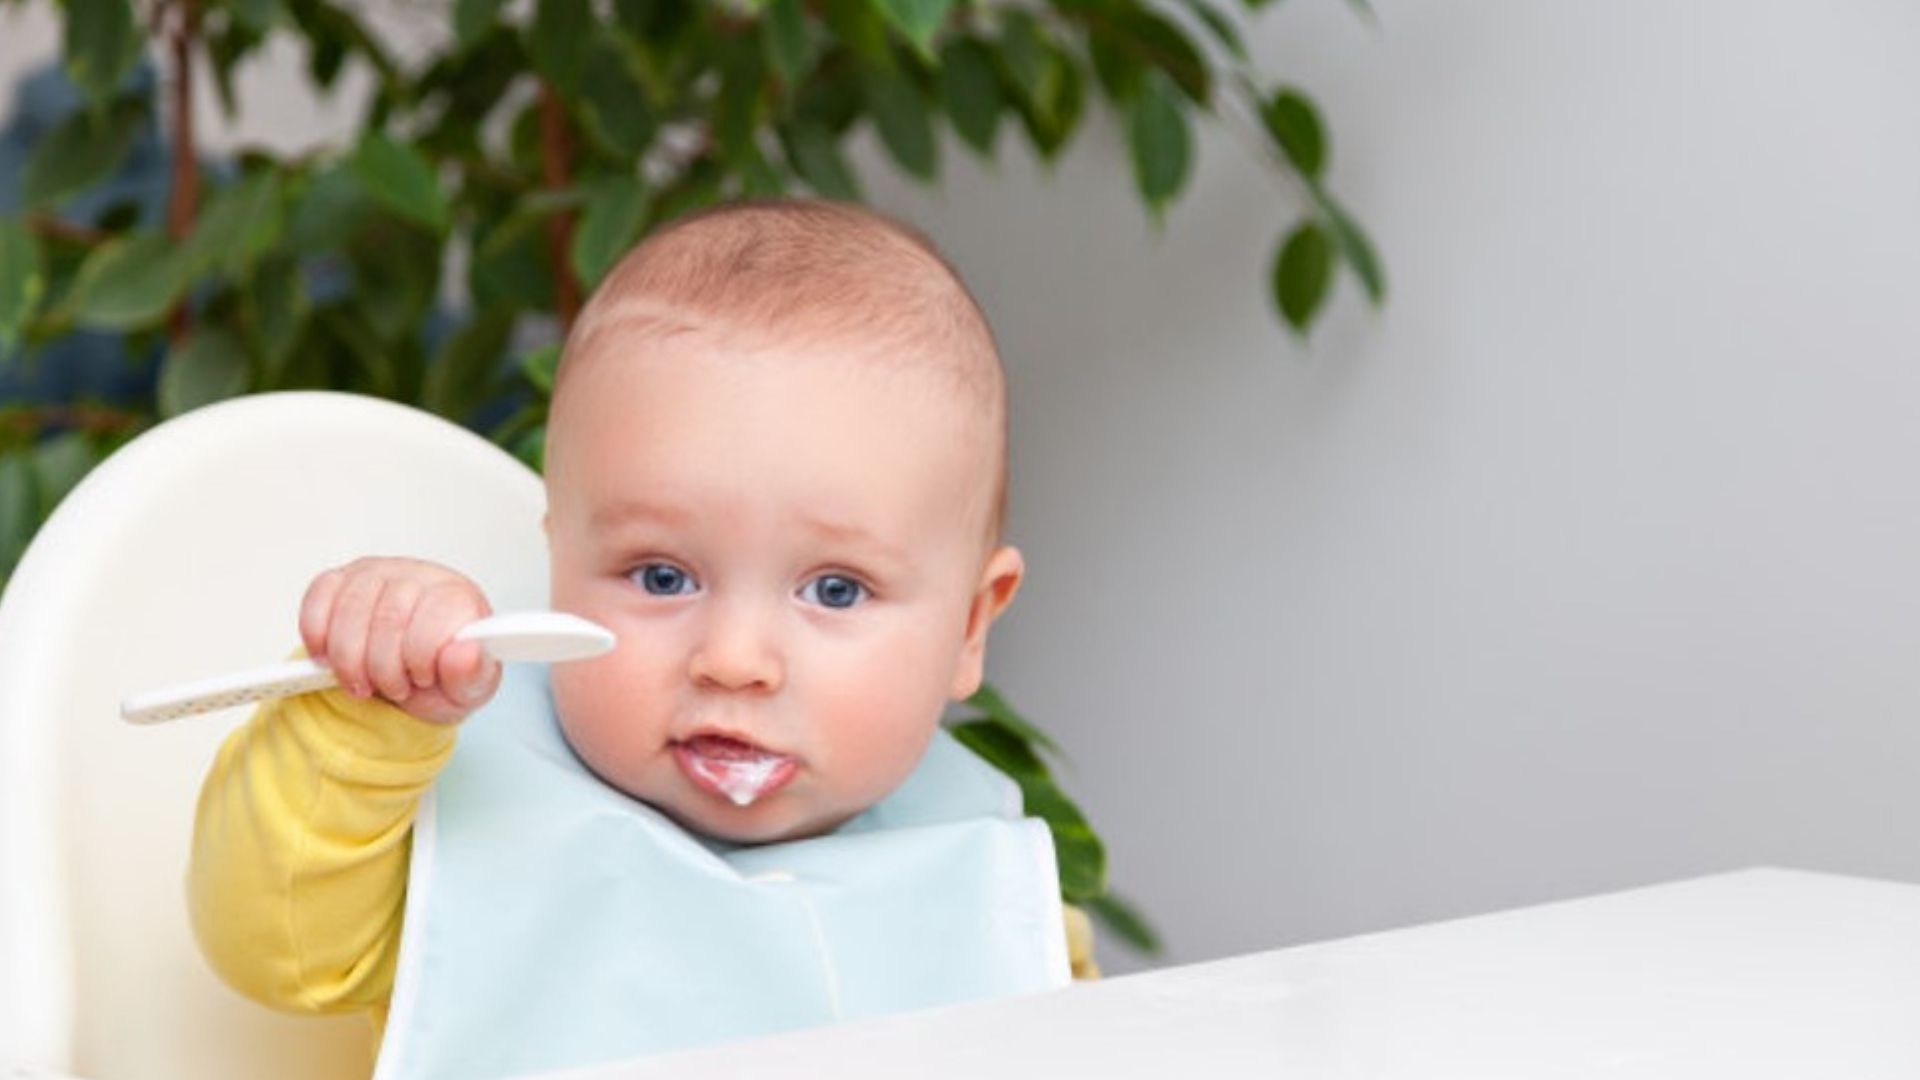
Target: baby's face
x=790, y=550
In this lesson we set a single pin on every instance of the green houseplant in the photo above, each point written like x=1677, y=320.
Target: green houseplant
x=530, y=144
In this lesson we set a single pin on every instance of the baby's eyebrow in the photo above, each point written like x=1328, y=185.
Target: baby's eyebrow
x=670, y=515
x=853, y=536
x=629, y=511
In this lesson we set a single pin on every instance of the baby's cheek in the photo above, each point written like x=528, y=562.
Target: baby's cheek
x=598, y=729
x=879, y=734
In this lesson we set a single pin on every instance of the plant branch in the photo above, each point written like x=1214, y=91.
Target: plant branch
x=48, y=227
x=183, y=195
x=1247, y=128
x=30, y=420
x=556, y=174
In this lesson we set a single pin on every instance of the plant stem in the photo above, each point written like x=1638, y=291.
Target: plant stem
x=183, y=196
x=30, y=420
x=556, y=173
x=52, y=228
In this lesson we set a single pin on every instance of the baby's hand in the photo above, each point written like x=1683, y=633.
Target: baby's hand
x=386, y=626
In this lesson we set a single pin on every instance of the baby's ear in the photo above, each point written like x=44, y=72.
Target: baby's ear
x=999, y=580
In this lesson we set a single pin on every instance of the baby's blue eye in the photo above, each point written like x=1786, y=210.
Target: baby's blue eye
x=834, y=591
x=663, y=579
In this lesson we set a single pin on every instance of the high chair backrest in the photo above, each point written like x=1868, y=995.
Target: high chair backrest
x=185, y=555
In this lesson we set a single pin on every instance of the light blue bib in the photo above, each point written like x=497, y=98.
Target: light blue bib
x=553, y=922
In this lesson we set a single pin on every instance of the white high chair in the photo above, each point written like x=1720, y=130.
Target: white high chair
x=185, y=555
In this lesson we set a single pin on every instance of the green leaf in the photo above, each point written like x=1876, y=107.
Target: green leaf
x=209, y=366
x=226, y=47
x=1157, y=134
x=543, y=202
x=329, y=209
x=473, y=19
x=1291, y=120
x=462, y=373
x=360, y=360
x=737, y=111
x=1081, y=856
x=19, y=507
x=510, y=265
x=917, y=20
x=101, y=45
x=614, y=104
x=758, y=178
x=1000, y=746
x=1302, y=273
x=1125, y=921
x=557, y=42
x=1156, y=42
x=989, y=701
x=1045, y=79
x=59, y=463
x=522, y=420
x=1221, y=27
x=121, y=215
x=905, y=125
x=23, y=280
x=539, y=367
x=274, y=302
x=815, y=153
x=971, y=93
x=1050, y=123
x=1358, y=251
x=128, y=283
x=783, y=34
x=656, y=22
x=82, y=151
x=1025, y=53
x=531, y=448
x=400, y=178
x=861, y=28
x=396, y=277
x=611, y=223
x=259, y=16
x=465, y=85
x=240, y=223
x=333, y=34
x=1114, y=64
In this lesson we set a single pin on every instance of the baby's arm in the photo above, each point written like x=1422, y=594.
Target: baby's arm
x=301, y=840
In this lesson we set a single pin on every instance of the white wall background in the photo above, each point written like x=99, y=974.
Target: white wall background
x=1592, y=561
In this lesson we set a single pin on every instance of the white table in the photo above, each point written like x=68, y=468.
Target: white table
x=1755, y=975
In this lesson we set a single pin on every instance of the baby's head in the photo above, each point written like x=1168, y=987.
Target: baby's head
x=776, y=470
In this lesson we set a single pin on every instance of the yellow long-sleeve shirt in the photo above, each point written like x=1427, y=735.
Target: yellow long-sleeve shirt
x=300, y=846
x=298, y=876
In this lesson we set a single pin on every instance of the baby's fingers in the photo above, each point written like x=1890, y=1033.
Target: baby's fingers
x=468, y=676
x=388, y=630
x=348, y=630
x=316, y=611
x=442, y=612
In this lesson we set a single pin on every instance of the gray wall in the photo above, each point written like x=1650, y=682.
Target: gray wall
x=1590, y=562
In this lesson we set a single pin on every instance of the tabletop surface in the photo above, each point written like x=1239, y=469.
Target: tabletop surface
x=1755, y=975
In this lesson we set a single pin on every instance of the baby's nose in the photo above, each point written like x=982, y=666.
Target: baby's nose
x=737, y=650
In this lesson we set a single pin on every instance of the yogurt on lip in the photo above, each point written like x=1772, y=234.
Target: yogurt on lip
x=736, y=771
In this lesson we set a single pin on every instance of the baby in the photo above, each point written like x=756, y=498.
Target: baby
x=775, y=469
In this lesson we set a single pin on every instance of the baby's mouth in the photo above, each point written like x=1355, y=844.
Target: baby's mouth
x=733, y=769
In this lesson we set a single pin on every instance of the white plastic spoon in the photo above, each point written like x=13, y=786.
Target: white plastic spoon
x=547, y=637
